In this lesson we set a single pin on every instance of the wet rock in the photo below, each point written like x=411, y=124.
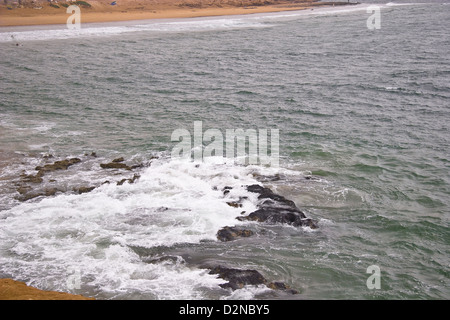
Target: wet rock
x=121, y=159
x=234, y=204
x=270, y=178
x=114, y=165
x=274, y=208
x=31, y=195
x=33, y=178
x=131, y=180
x=166, y=259
x=276, y=285
x=81, y=190
x=23, y=189
x=238, y=278
x=232, y=233
x=58, y=165
x=226, y=190
x=269, y=198
x=274, y=215
x=140, y=165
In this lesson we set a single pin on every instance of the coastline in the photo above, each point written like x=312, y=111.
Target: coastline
x=102, y=11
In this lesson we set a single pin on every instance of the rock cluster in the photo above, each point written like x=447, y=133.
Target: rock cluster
x=272, y=209
x=27, y=188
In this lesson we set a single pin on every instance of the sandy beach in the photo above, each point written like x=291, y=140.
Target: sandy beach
x=124, y=10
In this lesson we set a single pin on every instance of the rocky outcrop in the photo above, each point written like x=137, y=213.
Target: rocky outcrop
x=232, y=233
x=273, y=208
x=238, y=278
x=130, y=180
x=27, y=188
x=115, y=165
x=58, y=165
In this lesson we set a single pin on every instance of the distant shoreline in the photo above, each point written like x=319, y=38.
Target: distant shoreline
x=102, y=11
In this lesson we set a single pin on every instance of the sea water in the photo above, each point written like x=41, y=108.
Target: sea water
x=363, y=119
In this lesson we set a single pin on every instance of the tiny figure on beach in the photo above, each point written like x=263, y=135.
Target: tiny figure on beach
x=14, y=39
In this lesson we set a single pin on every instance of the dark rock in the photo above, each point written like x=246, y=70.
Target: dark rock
x=281, y=286
x=234, y=204
x=46, y=192
x=165, y=259
x=232, y=233
x=114, y=165
x=23, y=189
x=131, y=180
x=237, y=278
x=50, y=192
x=33, y=178
x=58, y=165
x=274, y=215
x=261, y=178
x=274, y=208
x=121, y=159
x=226, y=190
x=271, y=198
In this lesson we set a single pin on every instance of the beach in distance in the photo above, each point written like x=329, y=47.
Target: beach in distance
x=44, y=12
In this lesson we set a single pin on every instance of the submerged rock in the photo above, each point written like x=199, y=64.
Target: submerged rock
x=232, y=233
x=130, y=180
x=276, y=285
x=114, y=165
x=33, y=178
x=58, y=165
x=238, y=278
x=31, y=195
x=274, y=208
x=81, y=190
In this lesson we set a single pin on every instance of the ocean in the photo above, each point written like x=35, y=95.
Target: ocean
x=361, y=105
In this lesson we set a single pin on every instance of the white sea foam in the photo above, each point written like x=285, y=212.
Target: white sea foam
x=173, y=202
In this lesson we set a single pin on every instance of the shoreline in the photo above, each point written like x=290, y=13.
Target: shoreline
x=167, y=9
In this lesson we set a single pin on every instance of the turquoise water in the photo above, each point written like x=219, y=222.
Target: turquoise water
x=363, y=113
